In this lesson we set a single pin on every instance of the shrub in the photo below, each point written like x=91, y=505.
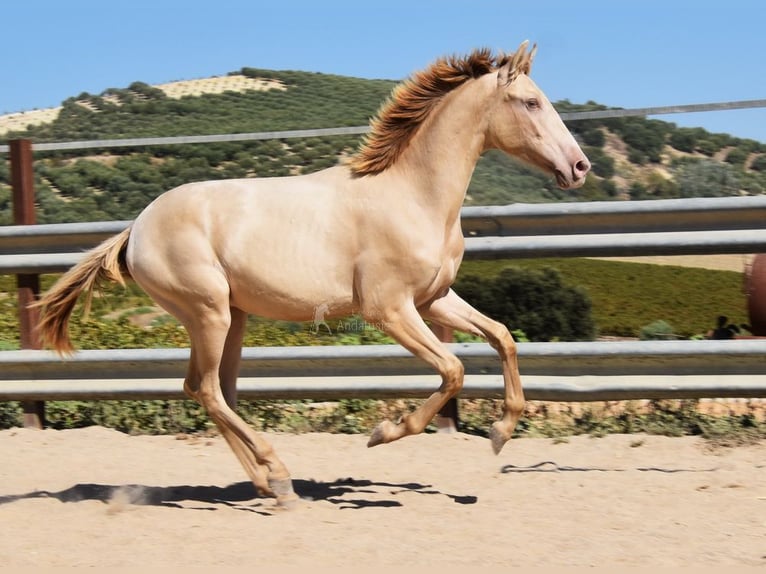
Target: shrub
x=593, y=137
x=736, y=156
x=685, y=139
x=759, y=163
x=707, y=178
x=602, y=164
x=535, y=301
x=707, y=147
x=657, y=331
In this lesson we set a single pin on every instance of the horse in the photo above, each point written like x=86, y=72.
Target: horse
x=378, y=235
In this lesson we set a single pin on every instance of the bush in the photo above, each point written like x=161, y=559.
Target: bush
x=759, y=163
x=685, y=139
x=657, y=331
x=707, y=178
x=602, y=164
x=637, y=157
x=535, y=301
x=593, y=137
x=646, y=138
x=707, y=147
x=737, y=156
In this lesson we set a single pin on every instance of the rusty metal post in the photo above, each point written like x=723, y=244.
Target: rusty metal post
x=448, y=417
x=28, y=285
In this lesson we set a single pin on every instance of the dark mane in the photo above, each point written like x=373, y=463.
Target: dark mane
x=411, y=102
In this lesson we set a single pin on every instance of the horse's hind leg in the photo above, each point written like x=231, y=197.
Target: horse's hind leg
x=258, y=474
x=232, y=356
x=209, y=329
x=228, y=372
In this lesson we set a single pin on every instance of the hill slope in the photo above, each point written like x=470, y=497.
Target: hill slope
x=633, y=158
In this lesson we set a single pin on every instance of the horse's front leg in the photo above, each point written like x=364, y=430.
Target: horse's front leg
x=408, y=328
x=453, y=312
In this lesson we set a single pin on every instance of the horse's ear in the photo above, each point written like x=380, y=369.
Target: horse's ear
x=531, y=57
x=519, y=63
x=504, y=74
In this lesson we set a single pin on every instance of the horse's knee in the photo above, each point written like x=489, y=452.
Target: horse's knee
x=509, y=344
x=502, y=340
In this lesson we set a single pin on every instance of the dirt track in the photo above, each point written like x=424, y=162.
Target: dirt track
x=96, y=497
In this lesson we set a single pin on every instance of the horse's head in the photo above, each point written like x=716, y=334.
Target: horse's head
x=524, y=124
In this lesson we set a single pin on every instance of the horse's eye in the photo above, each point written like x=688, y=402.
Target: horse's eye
x=532, y=104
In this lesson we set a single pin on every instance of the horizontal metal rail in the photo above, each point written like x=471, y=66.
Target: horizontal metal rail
x=593, y=217
x=56, y=237
x=659, y=215
x=603, y=229
x=356, y=130
x=734, y=368
x=536, y=387
x=740, y=356
x=217, y=138
x=530, y=247
x=622, y=245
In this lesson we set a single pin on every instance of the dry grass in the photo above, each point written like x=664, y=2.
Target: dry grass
x=727, y=262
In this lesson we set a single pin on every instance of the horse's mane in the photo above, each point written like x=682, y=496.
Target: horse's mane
x=412, y=100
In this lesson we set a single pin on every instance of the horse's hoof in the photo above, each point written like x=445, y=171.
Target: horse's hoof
x=282, y=489
x=380, y=433
x=288, y=502
x=498, y=437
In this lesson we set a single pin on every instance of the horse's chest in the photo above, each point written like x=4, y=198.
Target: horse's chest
x=441, y=273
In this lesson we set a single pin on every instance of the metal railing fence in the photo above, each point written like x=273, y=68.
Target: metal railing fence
x=552, y=371
x=555, y=371
x=602, y=229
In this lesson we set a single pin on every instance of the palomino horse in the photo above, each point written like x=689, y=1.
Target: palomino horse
x=380, y=236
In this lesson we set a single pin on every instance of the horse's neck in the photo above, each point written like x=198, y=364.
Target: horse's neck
x=442, y=156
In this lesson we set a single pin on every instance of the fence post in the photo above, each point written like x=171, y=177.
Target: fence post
x=448, y=417
x=28, y=285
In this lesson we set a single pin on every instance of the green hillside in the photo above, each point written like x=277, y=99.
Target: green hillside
x=633, y=158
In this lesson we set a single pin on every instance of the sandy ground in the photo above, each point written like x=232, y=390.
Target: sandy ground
x=721, y=262
x=96, y=497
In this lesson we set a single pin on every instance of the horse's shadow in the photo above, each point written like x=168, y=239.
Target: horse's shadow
x=551, y=466
x=240, y=495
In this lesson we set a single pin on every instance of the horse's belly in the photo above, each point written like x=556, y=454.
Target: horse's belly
x=291, y=296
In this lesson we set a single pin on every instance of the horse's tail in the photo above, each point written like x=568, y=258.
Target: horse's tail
x=104, y=263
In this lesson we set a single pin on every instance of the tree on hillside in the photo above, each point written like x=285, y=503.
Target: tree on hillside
x=685, y=139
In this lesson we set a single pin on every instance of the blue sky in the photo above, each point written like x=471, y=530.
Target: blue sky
x=618, y=53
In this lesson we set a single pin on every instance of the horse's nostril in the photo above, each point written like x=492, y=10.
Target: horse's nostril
x=581, y=167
